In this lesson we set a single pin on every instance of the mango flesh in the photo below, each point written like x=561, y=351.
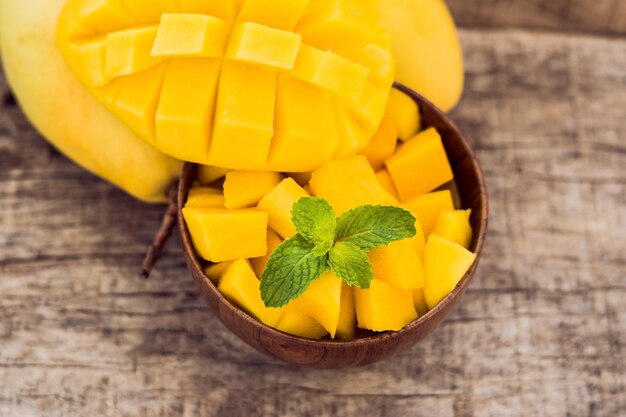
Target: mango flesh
x=299, y=323
x=428, y=52
x=258, y=264
x=455, y=227
x=405, y=114
x=37, y=72
x=208, y=174
x=278, y=203
x=215, y=271
x=384, y=307
x=383, y=144
x=224, y=61
x=400, y=263
x=427, y=208
x=346, y=327
x=387, y=182
x=445, y=264
x=246, y=188
x=205, y=197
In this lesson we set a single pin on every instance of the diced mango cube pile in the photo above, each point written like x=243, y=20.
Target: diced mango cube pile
x=237, y=218
x=241, y=84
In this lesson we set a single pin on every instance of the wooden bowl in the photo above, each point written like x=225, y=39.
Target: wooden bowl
x=338, y=354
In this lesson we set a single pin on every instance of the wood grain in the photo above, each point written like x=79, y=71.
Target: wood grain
x=541, y=332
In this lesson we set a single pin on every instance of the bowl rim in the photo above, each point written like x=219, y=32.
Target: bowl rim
x=190, y=168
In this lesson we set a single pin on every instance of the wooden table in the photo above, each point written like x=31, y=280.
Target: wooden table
x=542, y=332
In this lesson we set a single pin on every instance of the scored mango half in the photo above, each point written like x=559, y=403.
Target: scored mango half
x=240, y=84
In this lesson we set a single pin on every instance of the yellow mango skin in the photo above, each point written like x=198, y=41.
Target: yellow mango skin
x=384, y=307
x=420, y=165
x=298, y=323
x=455, y=227
x=346, y=328
x=259, y=264
x=349, y=183
x=205, y=197
x=428, y=53
x=278, y=203
x=246, y=188
x=37, y=72
x=427, y=208
x=400, y=263
x=445, y=264
x=241, y=287
x=216, y=271
x=226, y=235
x=405, y=114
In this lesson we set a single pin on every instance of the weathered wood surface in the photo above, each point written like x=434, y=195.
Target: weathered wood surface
x=542, y=331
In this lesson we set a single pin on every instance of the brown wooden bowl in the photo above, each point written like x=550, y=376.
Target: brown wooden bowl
x=361, y=351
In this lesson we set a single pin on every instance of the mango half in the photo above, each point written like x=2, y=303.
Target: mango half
x=229, y=83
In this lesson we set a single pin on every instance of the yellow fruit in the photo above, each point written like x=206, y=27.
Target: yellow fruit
x=405, y=114
x=278, y=203
x=399, y=263
x=205, y=197
x=258, y=264
x=420, y=302
x=208, y=174
x=428, y=53
x=455, y=227
x=322, y=301
x=226, y=235
x=217, y=102
x=385, y=180
x=349, y=183
x=37, y=74
x=346, y=328
x=297, y=322
x=384, y=307
x=420, y=165
x=215, y=271
x=246, y=188
x=383, y=144
x=427, y=208
x=445, y=264
x=241, y=287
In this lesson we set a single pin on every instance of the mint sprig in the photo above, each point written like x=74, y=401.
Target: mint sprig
x=324, y=242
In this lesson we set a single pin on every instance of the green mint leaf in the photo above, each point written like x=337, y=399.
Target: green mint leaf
x=370, y=227
x=351, y=264
x=289, y=271
x=316, y=222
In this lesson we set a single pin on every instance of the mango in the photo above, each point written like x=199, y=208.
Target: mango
x=246, y=188
x=224, y=235
x=205, y=197
x=346, y=327
x=455, y=227
x=298, y=323
x=445, y=264
x=190, y=35
x=258, y=264
x=349, y=183
x=420, y=302
x=302, y=178
x=385, y=180
x=278, y=203
x=150, y=11
x=384, y=307
x=353, y=137
x=37, y=72
x=428, y=52
x=405, y=114
x=420, y=165
x=225, y=10
x=128, y=51
x=279, y=14
x=427, y=208
x=241, y=287
x=297, y=133
x=383, y=144
x=208, y=174
x=400, y=263
x=215, y=271
x=322, y=301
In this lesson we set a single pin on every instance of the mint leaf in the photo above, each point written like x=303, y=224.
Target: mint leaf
x=351, y=264
x=315, y=221
x=370, y=227
x=289, y=271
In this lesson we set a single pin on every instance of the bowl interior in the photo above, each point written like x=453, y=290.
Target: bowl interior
x=370, y=347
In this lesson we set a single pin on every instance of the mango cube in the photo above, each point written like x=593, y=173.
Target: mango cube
x=104, y=16
x=420, y=302
x=244, y=119
x=297, y=322
x=150, y=11
x=385, y=180
x=278, y=203
x=184, y=114
x=370, y=109
x=384, y=307
x=399, y=263
x=137, y=99
x=420, y=165
x=279, y=14
x=259, y=264
x=225, y=235
x=383, y=144
x=353, y=138
x=445, y=264
x=427, y=208
x=128, y=51
x=190, y=35
x=205, y=197
x=215, y=271
x=305, y=131
x=349, y=183
x=405, y=114
x=346, y=328
x=332, y=72
x=246, y=188
x=222, y=9
x=455, y=227
x=378, y=59
x=322, y=301
x=90, y=57
x=262, y=45
x=208, y=174
x=241, y=287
